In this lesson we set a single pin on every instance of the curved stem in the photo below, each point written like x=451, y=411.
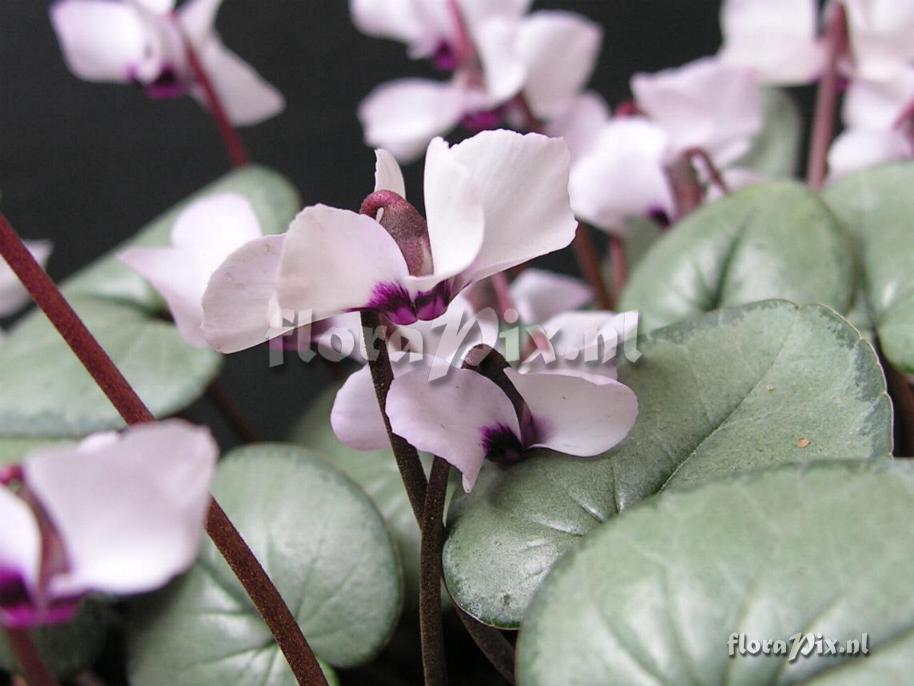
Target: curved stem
x=589, y=262
x=33, y=668
x=618, y=265
x=225, y=536
x=431, y=631
x=230, y=138
x=382, y=376
x=823, y=129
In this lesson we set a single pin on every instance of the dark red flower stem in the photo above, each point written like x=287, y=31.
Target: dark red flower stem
x=903, y=403
x=223, y=533
x=618, y=265
x=33, y=668
x=823, y=128
x=589, y=261
x=237, y=153
x=700, y=154
x=382, y=377
x=431, y=629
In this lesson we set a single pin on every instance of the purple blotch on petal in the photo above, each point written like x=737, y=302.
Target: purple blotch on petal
x=394, y=301
x=483, y=121
x=501, y=444
x=432, y=304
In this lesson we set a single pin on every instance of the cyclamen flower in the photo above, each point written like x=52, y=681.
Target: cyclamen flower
x=495, y=52
x=467, y=418
x=117, y=514
x=777, y=39
x=539, y=295
x=143, y=42
x=12, y=293
x=203, y=236
x=494, y=201
x=706, y=104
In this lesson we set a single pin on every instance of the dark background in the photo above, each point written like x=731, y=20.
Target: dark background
x=87, y=164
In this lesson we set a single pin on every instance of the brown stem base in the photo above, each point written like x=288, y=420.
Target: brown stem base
x=29, y=658
x=589, y=262
x=431, y=631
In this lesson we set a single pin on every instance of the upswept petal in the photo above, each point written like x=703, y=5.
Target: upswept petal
x=387, y=174
x=496, y=43
x=335, y=260
x=356, y=418
x=575, y=416
x=581, y=124
x=20, y=542
x=524, y=185
x=877, y=103
x=198, y=19
x=707, y=104
x=560, y=50
x=880, y=35
x=129, y=513
x=776, y=38
x=539, y=295
x=101, y=40
x=401, y=20
x=857, y=149
x=623, y=176
x=452, y=417
x=240, y=303
x=403, y=116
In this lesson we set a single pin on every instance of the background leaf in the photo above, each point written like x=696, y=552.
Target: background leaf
x=776, y=240
x=730, y=391
x=877, y=207
x=48, y=393
x=321, y=541
x=775, y=152
x=653, y=596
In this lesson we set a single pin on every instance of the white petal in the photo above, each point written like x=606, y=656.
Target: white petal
x=198, y=19
x=876, y=103
x=707, y=104
x=623, y=176
x=447, y=339
x=247, y=98
x=450, y=417
x=240, y=304
x=12, y=293
x=776, y=38
x=560, y=50
x=857, y=149
x=335, y=260
x=157, y=6
x=401, y=20
x=20, y=540
x=387, y=174
x=356, y=417
x=454, y=209
x=496, y=43
x=581, y=124
x=403, y=116
x=524, y=184
x=539, y=295
x=129, y=513
x=880, y=34
x=575, y=416
x=478, y=12
x=101, y=40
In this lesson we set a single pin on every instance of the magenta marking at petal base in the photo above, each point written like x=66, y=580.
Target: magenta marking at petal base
x=483, y=121
x=444, y=57
x=501, y=444
x=10, y=474
x=432, y=304
x=394, y=302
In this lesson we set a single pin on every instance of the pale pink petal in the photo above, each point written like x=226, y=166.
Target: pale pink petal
x=857, y=149
x=20, y=542
x=198, y=19
x=247, y=98
x=157, y=6
x=524, y=185
x=12, y=293
x=452, y=417
x=538, y=295
x=101, y=40
x=777, y=38
x=454, y=209
x=707, y=104
x=496, y=43
x=129, y=513
x=575, y=416
x=240, y=304
x=581, y=124
x=402, y=20
x=387, y=174
x=880, y=35
x=560, y=50
x=341, y=336
x=403, y=116
x=356, y=418
x=478, y=12
x=877, y=103
x=336, y=260
x=623, y=176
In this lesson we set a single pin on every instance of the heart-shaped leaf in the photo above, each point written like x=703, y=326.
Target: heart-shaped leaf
x=377, y=473
x=655, y=596
x=877, y=207
x=48, y=393
x=67, y=648
x=729, y=391
x=775, y=152
x=321, y=541
x=776, y=240
x=273, y=199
